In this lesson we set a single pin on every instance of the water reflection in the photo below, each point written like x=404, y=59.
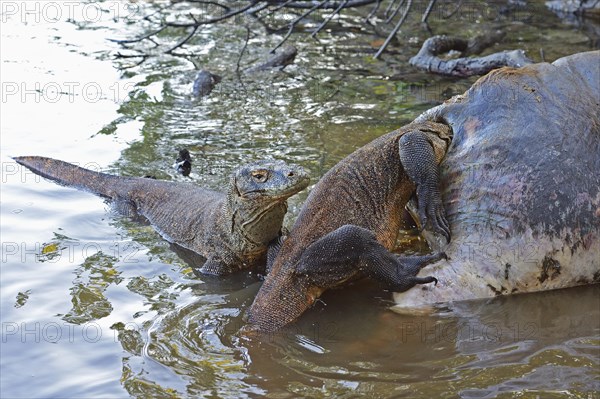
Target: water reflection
x=89, y=301
x=351, y=344
x=478, y=349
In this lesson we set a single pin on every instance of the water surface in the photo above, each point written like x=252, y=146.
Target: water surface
x=95, y=304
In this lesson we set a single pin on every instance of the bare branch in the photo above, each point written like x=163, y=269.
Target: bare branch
x=143, y=57
x=387, y=21
x=237, y=68
x=388, y=8
x=214, y=3
x=216, y=19
x=119, y=55
x=184, y=40
x=427, y=11
x=329, y=5
x=282, y=5
x=295, y=22
x=329, y=17
x=139, y=39
x=232, y=8
x=373, y=11
x=394, y=31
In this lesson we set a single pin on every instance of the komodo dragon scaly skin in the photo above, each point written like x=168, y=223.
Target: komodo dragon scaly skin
x=232, y=231
x=351, y=220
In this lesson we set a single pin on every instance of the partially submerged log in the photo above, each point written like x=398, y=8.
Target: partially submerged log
x=428, y=58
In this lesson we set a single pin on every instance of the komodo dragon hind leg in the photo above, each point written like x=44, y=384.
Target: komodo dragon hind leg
x=351, y=249
x=335, y=257
x=398, y=273
x=411, y=265
x=419, y=163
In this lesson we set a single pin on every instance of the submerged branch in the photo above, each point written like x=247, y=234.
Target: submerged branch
x=329, y=17
x=295, y=22
x=373, y=11
x=216, y=11
x=394, y=31
x=329, y=5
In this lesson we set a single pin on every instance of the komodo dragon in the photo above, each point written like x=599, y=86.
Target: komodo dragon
x=231, y=230
x=351, y=220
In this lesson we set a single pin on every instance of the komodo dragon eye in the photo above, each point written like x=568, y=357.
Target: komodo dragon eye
x=260, y=175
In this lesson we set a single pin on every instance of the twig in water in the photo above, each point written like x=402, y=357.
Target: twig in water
x=329, y=17
x=143, y=57
x=282, y=5
x=139, y=39
x=387, y=21
x=295, y=22
x=394, y=31
x=218, y=19
x=214, y=3
x=237, y=68
x=373, y=11
x=427, y=11
x=184, y=40
x=330, y=5
x=458, y=5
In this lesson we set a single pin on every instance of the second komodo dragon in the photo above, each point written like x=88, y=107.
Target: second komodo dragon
x=231, y=230
x=350, y=222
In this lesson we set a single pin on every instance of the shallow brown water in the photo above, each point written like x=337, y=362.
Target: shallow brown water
x=95, y=304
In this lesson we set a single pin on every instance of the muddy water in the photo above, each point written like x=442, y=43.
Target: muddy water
x=95, y=304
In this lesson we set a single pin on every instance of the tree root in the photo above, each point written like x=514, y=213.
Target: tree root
x=428, y=57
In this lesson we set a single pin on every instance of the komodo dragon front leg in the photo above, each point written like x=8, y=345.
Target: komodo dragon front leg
x=420, y=161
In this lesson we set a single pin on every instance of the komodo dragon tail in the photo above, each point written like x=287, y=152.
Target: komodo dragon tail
x=72, y=175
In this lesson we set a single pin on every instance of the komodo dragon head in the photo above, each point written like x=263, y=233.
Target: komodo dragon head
x=257, y=203
x=268, y=180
